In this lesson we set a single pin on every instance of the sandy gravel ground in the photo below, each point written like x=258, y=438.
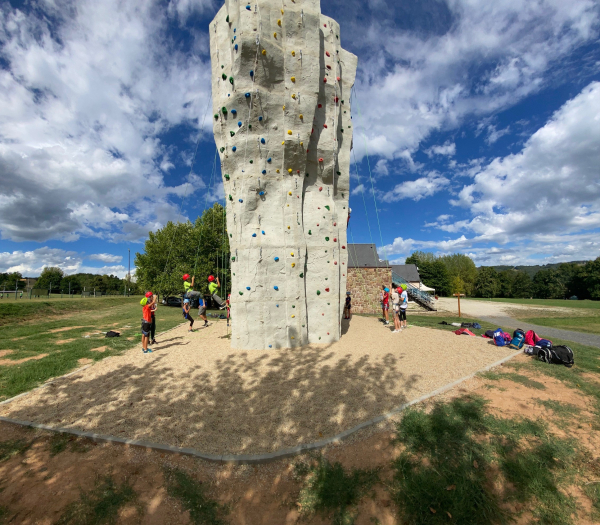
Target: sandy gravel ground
x=194, y=391
x=479, y=309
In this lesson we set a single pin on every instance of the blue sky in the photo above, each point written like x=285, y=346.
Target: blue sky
x=478, y=130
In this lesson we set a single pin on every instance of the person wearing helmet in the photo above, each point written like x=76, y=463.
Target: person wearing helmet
x=186, y=314
x=403, y=306
x=189, y=288
x=213, y=286
x=385, y=304
x=396, y=308
x=147, y=303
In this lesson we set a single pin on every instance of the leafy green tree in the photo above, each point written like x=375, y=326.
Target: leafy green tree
x=199, y=249
x=589, y=276
x=461, y=265
x=522, y=285
x=548, y=285
x=458, y=285
x=487, y=282
x=50, y=276
x=435, y=275
x=419, y=257
x=506, y=280
x=10, y=281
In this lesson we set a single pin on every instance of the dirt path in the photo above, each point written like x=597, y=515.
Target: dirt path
x=199, y=393
x=37, y=487
x=477, y=309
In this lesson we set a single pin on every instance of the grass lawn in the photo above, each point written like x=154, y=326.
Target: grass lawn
x=590, y=325
x=595, y=305
x=65, y=331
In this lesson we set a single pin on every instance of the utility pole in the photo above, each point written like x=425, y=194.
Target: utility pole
x=129, y=272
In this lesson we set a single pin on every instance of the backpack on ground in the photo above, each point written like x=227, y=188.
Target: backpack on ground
x=518, y=339
x=531, y=338
x=499, y=338
x=544, y=343
x=489, y=333
x=558, y=355
x=519, y=331
x=112, y=333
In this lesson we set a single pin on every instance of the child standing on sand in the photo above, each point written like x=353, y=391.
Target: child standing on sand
x=348, y=306
x=386, y=304
x=403, y=306
x=202, y=311
x=396, y=308
x=147, y=304
x=186, y=314
x=153, y=327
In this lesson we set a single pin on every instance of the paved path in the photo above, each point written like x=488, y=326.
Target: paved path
x=545, y=331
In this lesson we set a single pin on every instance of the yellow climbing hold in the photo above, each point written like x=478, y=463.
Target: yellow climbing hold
x=282, y=11
x=288, y=227
x=293, y=316
x=302, y=144
x=289, y=192
x=292, y=254
x=301, y=116
x=294, y=96
x=293, y=53
x=293, y=79
x=264, y=51
x=274, y=35
x=293, y=265
x=290, y=171
x=277, y=171
x=289, y=131
x=283, y=108
x=279, y=22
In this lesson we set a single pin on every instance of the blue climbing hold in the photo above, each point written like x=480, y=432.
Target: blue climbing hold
x=277, y=305
x=240, y=124
x=235, y=37
x=235, y=47
x=234, y=29
x=234, y=111
x=251, y=73
x=261, y=193
x=269, y=159
x=248, y=7
x=260, y=119
x=270, y=346
x=275, y=287
x=247, y=288
x=234, y=148
x=254, y=235
x=241, y=200
x=247, y=95
x=263, y=232
x=276, y=259
x=264, y=172
x=262, y=141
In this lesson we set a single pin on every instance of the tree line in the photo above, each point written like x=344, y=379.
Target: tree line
x=54, y=279
x=457, y=273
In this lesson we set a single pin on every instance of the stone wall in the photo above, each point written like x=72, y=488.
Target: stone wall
x=365, y=287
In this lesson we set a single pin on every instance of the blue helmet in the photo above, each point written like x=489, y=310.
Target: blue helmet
x=186, y=301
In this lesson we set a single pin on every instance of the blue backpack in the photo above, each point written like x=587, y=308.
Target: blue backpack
x=518, y=340
x=499, y=337
x=544, y=343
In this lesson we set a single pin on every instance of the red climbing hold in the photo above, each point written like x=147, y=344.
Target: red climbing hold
x=335, y=223
x=338, y=79
x=326, y=289
x=325, y=126
x=307, y=151
x=320, y=188
x=334, y=239
x=328, y=67
x=327, y=53
x=298, y=171
x=336, y=99
x=335, y=262
x=312, y=131
x=325, y=80
x=324, y=25
x=317, y=224
x=320, y=105
x=320, y=160
x=343, y=247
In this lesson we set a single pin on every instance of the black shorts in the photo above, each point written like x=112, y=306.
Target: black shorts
x=402, y=314
x=146, y=327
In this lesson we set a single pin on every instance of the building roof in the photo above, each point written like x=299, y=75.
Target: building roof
x=408, y=272
x=364, y=256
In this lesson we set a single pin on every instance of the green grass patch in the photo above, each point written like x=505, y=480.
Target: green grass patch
x=552, y=303
x=562, y=410
x=515, y=378
x=589, y=325
x=592, y=491
x=192, y=496
x=452, y=454
x=99, y=506
x=328, y=489
x=9, y=449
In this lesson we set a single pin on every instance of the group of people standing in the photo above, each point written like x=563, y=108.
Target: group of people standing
x=399, y=298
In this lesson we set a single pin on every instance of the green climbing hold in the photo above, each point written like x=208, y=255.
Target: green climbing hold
x=230, y=198
x=302, y=275
x=310, y=232
x=227, y=19
x=241, y=293
x=223, y=67
x=339, y=172
x=226, y=176
x=232, y=133
x=224, y=76
x=223, y=149
x=328, y=208
x=216, y=116
x=233, y=258
x=249, y=126
x=328, y=304
x=326, y=238
x=231, y=80
x=251, y=161
x=293, y=306
x=230, y=236
x=318, y=292
x=307, y=175
x=224, y=110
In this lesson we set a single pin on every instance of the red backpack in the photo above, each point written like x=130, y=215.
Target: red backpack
x=531, y=338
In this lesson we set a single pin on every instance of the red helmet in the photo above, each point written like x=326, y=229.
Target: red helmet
x=186, y=276
x=211, y=278
x=149, y=294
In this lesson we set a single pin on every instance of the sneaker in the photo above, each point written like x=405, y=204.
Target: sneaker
x=149, y=351
x=395, y=331
x=153, y=342
x=386, y=323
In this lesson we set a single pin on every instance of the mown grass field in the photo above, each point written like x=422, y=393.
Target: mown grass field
x=594, y=305
x=64, y=332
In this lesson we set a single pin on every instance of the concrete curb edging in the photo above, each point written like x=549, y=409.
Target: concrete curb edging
x=248, y=458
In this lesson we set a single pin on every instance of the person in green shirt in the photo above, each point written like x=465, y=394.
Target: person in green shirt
x=189, y=288
x=212, y=288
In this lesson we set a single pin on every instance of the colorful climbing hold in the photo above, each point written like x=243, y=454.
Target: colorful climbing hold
x=262, y=141
x=251, y=161
x=335, y=262
x=235, y=47
x=276, y=259
x=247, y=95
x=279, y=22
x=241, y=293
x=310, y=232
x=233, y=259
x=318, y=292
x=334, y=239
x=301, y=117
x=293, y=79
x=343, y=247
x=254, y=235
x=263, y=232
x=231, y=80
x=275, y=287
x=289, y=131
x=290, y=171
x=320, y=188
x=264, y=172
x=233, y=148
x=224, y=110
x=248, y=7
x=327, y=206
x=241, y=200
x=326, y=238
x=292, y=318
x=226, y=176
x=325, y=80
x=247, y=288
x=264, y=52
x=230, y=198
x=251, y=73
x=289, y=192
x=294, y=96
x=274, y=35
x=224, y=76
x=293, y=265
x=321, y=159
x=260, y=119
x=269, y=159
x=239, y=124
x=232, y=133
x=302, y=275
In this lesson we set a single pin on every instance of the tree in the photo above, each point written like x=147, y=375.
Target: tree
x=419, y=257
x=50, y=277
x=522, y=286
x=506, y=280
x=589, y=276
x=435, y=275
x=10, y=281
x=201, y=248
x=486, y=284
x=458, y=285
x=461, y=265
x=548, y=285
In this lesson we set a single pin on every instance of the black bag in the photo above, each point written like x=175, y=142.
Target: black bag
x=557, y=355
x=112, y=334
x=490, y=334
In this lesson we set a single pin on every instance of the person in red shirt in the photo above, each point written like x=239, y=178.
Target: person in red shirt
x=147, y=304
x=386, y=304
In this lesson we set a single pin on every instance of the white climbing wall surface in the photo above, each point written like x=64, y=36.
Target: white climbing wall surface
x=281, y=87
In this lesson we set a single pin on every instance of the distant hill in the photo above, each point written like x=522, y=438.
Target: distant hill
x=532, y=270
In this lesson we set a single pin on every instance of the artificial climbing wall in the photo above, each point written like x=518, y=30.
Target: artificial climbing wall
x=281, y=87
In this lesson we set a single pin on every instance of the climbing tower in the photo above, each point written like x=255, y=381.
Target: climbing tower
x=281, y=87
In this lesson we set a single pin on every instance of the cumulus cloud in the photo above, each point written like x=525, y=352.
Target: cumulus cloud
x=417, y=189
x=448, y=149
x=87, y=90
x=31, y=263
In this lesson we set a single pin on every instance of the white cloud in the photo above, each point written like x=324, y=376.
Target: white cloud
x=31, y=263
x=105, y=257
x=417, y=189
x=83, y=103
x=494, y=134
x=358, y=189
x=448, y=149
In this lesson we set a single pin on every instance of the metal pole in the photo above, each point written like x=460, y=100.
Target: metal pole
x=129, y=271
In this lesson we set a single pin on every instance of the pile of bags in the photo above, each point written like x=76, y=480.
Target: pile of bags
x=534, y=345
